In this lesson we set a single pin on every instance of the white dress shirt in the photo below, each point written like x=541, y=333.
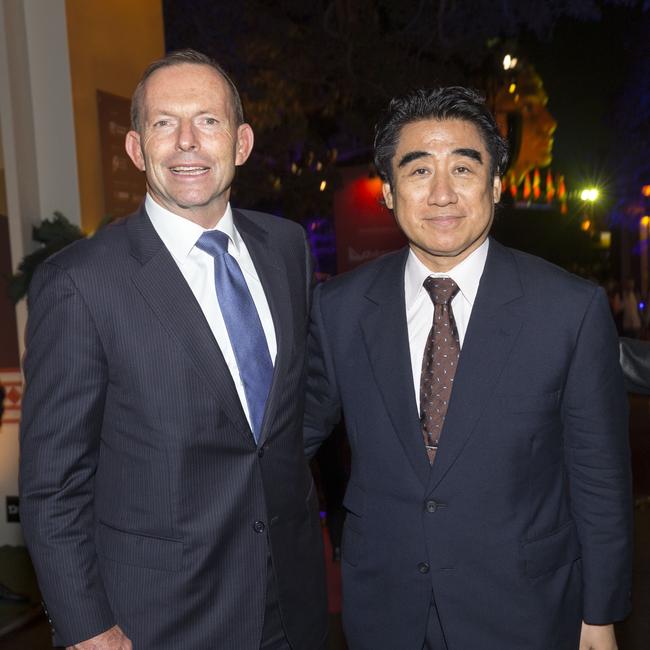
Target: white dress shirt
x=180, y=236
x=419, y=306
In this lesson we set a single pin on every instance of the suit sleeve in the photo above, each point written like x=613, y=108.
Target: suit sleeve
x=322, y=405
x=595, y=415
x=66, y=377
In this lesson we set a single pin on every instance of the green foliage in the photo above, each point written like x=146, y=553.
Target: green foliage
x=54, y=234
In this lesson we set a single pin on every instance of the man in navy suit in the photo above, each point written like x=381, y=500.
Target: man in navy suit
x=507, y=527
x=165, y=497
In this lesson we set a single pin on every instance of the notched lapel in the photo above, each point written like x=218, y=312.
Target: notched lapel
x=272, y=273
x=492, y=331
x=165, y=290
x=386, y=340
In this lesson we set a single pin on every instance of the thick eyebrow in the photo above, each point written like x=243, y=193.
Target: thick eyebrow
x=465, y=152
x=411, y=156
x=469, y=153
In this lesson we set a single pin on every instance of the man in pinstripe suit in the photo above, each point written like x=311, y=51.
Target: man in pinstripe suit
x=157, y=513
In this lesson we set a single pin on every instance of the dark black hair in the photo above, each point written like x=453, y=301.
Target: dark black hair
x=180, y=57
x=445, y=103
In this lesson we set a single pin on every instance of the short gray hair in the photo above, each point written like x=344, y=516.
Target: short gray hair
x=180, y=57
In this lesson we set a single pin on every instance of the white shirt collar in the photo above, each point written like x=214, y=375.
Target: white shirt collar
x=179, y=234
x=467, y=274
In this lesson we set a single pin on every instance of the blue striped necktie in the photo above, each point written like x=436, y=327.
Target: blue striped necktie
x=243, y=324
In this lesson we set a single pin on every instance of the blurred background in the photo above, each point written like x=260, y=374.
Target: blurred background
x=569, y=83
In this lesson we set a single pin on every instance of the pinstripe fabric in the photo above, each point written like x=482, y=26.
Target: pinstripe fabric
x=140, y=482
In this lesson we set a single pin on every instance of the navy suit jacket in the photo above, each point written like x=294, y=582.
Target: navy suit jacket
x=145, y=500
x=522, y=527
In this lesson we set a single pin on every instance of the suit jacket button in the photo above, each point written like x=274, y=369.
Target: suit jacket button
x=432, y=505
x=423, y=567
x=259, y=527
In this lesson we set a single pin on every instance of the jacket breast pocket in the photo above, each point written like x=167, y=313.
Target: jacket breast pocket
x=138, y=550
x=529, y=403
x=548, y=553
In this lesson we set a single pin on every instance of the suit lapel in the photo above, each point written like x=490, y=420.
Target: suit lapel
x=273, y=276
x=386, y=339
x=493, y=327
x=164, y=288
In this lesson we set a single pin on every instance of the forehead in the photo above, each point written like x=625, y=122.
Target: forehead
x=184, y=85
x=439, y=137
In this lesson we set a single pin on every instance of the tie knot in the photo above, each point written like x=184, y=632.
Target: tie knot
x=213, y=242
x=441, y=290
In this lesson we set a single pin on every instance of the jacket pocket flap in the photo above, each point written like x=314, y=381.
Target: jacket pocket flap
x=139, y=550
x=552, y=551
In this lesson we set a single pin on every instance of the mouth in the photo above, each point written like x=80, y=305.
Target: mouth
x=444, y=220
x=189, y=170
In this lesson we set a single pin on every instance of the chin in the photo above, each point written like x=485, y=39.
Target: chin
x=189, y=202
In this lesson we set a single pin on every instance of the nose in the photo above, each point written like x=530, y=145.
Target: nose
x=187, y=139
x=441, y=191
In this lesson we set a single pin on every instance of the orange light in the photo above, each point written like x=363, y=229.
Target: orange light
x=645, y=190
x=550, y=188
x=585, y=225
x=527, y=186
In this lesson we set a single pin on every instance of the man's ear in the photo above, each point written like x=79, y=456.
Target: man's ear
x=388, y=194
x=496, y=189
x=245, y=140
x=134, y=150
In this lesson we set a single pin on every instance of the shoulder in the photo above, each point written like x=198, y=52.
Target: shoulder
x=385, y=267
x=276, y=227
x=540, y=275
x=87, y=264
x=550, y=293
x=108, y=243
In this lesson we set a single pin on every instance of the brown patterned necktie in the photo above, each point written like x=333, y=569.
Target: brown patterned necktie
x=439, y=362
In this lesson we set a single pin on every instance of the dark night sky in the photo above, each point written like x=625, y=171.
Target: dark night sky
x=584, y=67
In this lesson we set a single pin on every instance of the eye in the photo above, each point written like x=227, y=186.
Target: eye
x=463, y=169
x=161, y=123
x=211, y=121
x=420, y=171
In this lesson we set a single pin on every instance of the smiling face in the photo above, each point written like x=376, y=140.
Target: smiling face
x=189, y=144
x=442, y=194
